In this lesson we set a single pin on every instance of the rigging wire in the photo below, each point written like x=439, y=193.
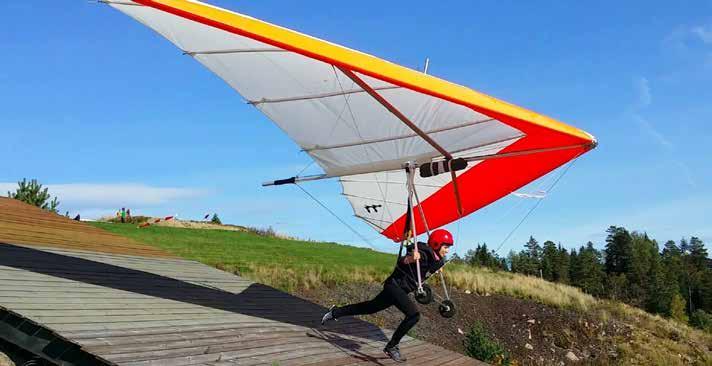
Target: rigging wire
x=337, y=217
x=360, y=136
x=538, y=202
x=305, y=168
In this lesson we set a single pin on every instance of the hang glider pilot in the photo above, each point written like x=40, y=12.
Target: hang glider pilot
x=397, y=287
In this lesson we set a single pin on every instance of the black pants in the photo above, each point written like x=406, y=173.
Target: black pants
x=391, y=295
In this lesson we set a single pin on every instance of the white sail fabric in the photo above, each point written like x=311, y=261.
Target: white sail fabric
x=379, y=198
x=342, y=127
x=347, y=132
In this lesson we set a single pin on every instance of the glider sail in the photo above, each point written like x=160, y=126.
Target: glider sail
x=361, y=118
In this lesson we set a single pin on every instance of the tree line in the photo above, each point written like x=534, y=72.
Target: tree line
x=673, y=281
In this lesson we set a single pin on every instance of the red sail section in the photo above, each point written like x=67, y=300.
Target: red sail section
x=493, y=179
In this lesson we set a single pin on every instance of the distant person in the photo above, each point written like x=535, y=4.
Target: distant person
x=77, y=218
x=128, y=214
x=123, y=215
x=397, y=287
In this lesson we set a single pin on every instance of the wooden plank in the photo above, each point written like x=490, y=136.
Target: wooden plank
x=413, y=349
x=53, y=274
x=44, y=257
x=48, y=255
x=367, y=349
x=109, y=315
x=137, y=283
x=131, y=341
x=287, y=344
x=185, y=328
x=60, y=272
x=120, y=328
x=31, y=277
x=164, y=345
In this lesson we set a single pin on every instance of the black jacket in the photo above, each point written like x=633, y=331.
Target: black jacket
x=405, y=276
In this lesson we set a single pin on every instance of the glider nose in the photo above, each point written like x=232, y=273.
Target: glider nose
x=594, y=141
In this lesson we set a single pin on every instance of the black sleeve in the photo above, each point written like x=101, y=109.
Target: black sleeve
x=437, y=265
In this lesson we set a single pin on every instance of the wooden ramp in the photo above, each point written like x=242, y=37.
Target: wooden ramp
x=77, y=295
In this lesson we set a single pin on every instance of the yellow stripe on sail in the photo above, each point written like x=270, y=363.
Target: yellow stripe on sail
x=361, y=62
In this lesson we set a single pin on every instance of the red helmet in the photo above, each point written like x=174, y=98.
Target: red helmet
x=439, y=238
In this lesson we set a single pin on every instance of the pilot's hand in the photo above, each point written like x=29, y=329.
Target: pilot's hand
x=416, y=255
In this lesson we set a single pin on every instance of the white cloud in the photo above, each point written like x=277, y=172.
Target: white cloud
x=644, y=96
x=90, y=195
x=651, y=131
x=704, y=33
x=684, y=39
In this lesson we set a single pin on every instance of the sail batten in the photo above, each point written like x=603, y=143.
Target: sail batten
x=361, y=118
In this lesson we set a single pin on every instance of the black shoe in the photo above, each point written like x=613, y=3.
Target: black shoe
x=328, y=316
x=394, y=353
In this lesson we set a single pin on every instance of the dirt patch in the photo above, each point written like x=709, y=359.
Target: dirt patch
x=532, y=333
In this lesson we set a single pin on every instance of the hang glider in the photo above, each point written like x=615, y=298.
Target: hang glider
x=362, y=119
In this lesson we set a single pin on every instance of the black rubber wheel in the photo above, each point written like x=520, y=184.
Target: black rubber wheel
x=425, y=297
x=447, y=309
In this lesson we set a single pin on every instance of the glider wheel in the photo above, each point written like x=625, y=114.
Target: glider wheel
x=426, y=296
x=447, y=309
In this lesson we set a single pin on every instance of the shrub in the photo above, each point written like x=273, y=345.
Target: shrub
x=479, y=345
x=268, y=232
x=677, y=309
x=136, y=220
x=701, y=319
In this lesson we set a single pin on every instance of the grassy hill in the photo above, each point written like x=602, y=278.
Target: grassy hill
x=282, y=263
x=299, y=266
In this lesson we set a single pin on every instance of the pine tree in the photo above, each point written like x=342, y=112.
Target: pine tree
x=561, y=272
x=694, y=262
x=698, y=254
x=671, y=250
x=33, y=194
x=641, y=265
x=618, y=250
x=483, y=257
x=590, y=273
x=216, y=220
x=574, y=268
x=661, y=288
x=706, y=292
x=471, y=257
x=457, y=259
x=516, y=262
x=531, y=257
x=549, y=259
x=684, y=247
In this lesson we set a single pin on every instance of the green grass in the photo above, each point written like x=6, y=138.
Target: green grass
x=293, y=264
x=282, y=263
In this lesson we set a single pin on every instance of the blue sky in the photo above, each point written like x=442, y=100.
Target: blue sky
x=108, y=114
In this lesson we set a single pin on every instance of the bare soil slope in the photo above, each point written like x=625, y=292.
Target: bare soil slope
x=532, y=333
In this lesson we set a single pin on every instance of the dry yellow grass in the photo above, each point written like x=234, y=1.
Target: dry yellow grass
x=291, y=279
x=485, y=281
x=654, y=340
